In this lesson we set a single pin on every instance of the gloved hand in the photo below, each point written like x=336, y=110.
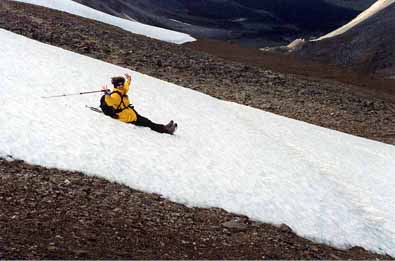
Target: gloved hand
x=105, y=89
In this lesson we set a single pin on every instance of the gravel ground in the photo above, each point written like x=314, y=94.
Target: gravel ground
x=325, y=103
x=54, y=214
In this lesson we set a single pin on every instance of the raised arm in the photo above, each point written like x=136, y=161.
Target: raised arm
x=127, y=83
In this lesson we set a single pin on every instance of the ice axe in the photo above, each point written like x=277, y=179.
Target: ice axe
x=71, y=94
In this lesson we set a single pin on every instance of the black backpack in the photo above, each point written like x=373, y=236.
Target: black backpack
x=109, y=110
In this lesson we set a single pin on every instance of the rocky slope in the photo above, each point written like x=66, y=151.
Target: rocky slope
x=368, y=47
x=47, y=213
x=52, y=214
x=322, y=102
x=355, y=4
x=252, y=22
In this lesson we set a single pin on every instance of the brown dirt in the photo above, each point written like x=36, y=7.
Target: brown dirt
x=326, y=103
x=53, y=214
x=290, y=64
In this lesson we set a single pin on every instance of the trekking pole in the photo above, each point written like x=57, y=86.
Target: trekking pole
x=71, y=94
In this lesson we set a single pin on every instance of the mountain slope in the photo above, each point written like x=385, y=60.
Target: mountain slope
x=364, y=44
x=321, y=102
x=250, y=22
x=241, y=159
x=29, y=185
x=53, y=214
x=377, y=7
x=360, y=5
x=72, y=7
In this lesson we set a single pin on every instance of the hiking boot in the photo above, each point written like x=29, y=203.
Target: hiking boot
x=171, y=127
x=169, y=124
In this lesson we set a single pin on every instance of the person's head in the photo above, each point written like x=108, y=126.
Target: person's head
x=118, y=82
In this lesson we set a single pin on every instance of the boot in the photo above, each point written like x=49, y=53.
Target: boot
x=171, y=127
x=169, y=124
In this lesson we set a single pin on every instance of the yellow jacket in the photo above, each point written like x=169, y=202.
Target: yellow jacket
x=114, y=100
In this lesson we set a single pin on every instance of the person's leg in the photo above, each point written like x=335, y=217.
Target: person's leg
x=144, y=122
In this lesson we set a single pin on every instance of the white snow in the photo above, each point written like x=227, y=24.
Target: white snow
x=239, y=20
x=296, y=44
x=374, y=9
x=174, y=20
x=75, y=8
x=326, y=185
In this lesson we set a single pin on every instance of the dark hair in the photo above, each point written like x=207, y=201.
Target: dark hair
x=117, y=80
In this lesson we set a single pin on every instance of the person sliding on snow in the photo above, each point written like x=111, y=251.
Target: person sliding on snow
x=116, y=104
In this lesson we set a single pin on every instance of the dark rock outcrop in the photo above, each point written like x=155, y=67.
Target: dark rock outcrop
x=369, y=47
x=249, y=22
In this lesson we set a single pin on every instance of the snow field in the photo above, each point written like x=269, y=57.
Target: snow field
x=75, y=8
x=326, y=185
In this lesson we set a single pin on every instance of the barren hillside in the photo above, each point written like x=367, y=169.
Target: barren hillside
x=53, y=214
